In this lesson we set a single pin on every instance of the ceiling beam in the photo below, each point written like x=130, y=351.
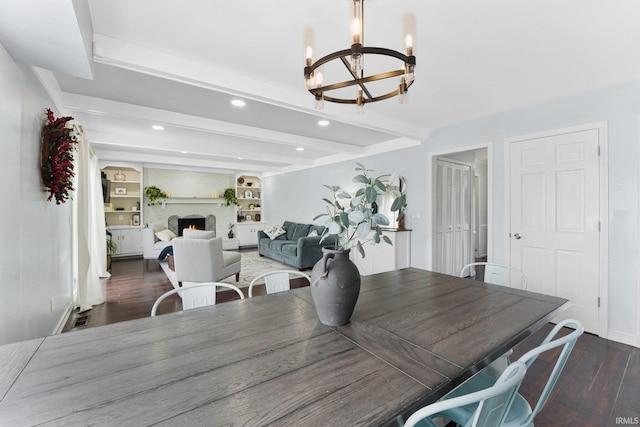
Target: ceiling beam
x=119, y=53
x=222, y=149
x=96, y=106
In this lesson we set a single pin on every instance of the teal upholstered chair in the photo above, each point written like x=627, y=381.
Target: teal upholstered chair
x=521, y=413
x=482, y=408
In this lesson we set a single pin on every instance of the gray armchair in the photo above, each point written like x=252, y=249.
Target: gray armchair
x=203, y=260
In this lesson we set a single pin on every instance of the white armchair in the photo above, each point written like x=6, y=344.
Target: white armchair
x=203, y=260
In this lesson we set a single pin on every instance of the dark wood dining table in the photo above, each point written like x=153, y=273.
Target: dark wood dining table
x=414, y=335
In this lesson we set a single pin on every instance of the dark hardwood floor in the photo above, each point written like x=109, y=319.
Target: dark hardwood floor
x=133, y=287
x=600, y=385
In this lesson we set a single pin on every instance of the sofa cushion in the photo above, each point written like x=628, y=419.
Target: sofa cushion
x=290, y=249
x=296, y=231
x=317, y=228
x=198, y=234
x=278, y=244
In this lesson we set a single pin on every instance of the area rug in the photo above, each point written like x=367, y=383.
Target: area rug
x=252, y=265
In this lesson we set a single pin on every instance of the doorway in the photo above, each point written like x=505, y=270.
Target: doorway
x=460, y=209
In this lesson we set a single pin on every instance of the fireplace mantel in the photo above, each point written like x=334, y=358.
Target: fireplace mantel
x=193, y=200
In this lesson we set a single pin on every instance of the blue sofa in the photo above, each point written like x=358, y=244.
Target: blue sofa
x=296, y=247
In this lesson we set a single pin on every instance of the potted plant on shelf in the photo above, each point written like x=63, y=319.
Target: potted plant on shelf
x=354, y=220
x=230, y=197
x=230, y=233
x=397, y=188
x=153, y=193
x=112, y=248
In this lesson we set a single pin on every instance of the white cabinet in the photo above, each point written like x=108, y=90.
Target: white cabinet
x=128, y=240
x=247, y=233
x=383, y=257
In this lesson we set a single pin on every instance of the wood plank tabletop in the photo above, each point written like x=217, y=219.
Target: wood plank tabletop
x=414, y=335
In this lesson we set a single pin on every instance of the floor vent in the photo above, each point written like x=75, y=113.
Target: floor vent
x=81, y=321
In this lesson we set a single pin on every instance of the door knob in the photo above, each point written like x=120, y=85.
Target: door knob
x=517, y=236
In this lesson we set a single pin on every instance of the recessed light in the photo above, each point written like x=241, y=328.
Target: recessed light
x=184, y=152
x=323, y=122
x=300, y=149
x=238, y=103
x=157, y=127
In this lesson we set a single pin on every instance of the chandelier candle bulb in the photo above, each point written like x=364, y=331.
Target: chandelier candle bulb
x=358, y=22
x=308, y=43
x=408, y=41
x=356, y=31
x=309, y=52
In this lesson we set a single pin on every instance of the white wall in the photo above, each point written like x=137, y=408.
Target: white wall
x=296, y=196
x=35, y=253
x=182, y=183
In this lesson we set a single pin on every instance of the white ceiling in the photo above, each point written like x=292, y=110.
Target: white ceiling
x=180, y=63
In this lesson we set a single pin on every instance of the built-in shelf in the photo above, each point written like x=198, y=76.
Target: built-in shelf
x=249, y=192
x=125, y=194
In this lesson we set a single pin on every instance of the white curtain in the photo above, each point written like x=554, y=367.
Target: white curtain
x=91, y=233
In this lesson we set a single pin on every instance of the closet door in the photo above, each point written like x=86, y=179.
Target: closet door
x=452, y=213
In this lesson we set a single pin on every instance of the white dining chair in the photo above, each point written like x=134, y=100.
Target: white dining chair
x=277, y=281
x=521, y=413
x=502, y=275
x=196, y=295
x=496, y=274
x=481, y=408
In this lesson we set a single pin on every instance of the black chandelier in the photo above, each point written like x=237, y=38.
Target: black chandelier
x=353, y=60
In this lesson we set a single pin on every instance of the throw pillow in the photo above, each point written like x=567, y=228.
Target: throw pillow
x=274, y=231
x=198, y=234
x=313, y=233
x=157, y=226
x=165, y=235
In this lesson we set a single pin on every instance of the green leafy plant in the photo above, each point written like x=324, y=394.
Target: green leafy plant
x=153, y=193
x=353, y=218
x=112, y=247
x=397, y=189
x=230, y=197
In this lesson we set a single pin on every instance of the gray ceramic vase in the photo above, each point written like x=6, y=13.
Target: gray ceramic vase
x=335, y=286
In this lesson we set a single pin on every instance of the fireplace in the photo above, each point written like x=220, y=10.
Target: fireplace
x=176, y=223
x=191, y=223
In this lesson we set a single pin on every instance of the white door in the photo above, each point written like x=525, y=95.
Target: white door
x=452, y=241
x=554, y=197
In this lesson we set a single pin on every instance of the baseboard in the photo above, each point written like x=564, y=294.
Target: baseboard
x=63, y=320
x=623, y=338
